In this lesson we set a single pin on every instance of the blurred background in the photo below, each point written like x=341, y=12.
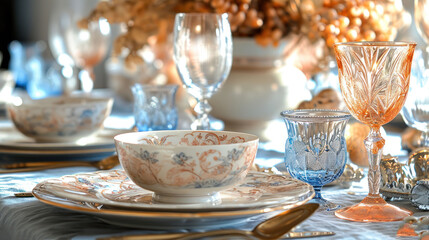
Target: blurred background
x=42, y=45
x=28, y=21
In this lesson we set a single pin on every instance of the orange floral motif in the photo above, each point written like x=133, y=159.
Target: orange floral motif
x=212, y=164
x=153, y=140
x=236, y=140
x=202, y=138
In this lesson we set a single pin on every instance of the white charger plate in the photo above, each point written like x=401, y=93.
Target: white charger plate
x=114, y=188
x=175, y=218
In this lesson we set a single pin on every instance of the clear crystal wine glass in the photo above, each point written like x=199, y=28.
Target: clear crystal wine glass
x=315, y=150
x=203, y=57
x=374, y=80
x=87, y=47
x=415, y=111
x=416, y=108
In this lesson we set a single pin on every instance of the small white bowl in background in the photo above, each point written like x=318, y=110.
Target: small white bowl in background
x=59, y=119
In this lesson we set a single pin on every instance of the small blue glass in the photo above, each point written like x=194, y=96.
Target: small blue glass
x=315, y=149
x=155, y=107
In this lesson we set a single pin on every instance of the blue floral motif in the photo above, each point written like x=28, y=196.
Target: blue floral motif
x=87, y=113
x=225, y=161
x=207, y=183
x=234, y=154
x=181, y=158
x=149, y=157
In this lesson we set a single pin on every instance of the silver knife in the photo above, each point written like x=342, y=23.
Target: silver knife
x=166, y=236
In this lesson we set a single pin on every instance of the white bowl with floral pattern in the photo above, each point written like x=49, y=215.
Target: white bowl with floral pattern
x=185, y=166
x=59, y=119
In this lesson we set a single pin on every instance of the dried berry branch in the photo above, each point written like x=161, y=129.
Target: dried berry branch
x=268, y=21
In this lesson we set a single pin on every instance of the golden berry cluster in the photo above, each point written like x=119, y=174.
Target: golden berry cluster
x=267, y=21
x=142, y=19
x=357, y=20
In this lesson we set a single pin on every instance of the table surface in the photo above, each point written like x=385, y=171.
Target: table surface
x=27, y=218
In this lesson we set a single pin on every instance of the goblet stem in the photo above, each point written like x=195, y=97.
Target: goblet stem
x=317, y=192
x=87, y=77
x=374, y=145
x=325, y=205
x=373, y=208
x=202, y=109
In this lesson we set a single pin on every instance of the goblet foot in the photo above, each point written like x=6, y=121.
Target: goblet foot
x=373, y=209
x=325, y=205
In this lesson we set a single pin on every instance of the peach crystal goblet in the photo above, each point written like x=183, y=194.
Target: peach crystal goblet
x=374, y=80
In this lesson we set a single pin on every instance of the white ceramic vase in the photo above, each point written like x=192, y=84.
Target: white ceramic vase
x=259, y=86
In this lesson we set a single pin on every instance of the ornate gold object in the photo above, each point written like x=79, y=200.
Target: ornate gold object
x=396, y=179
x=419, y=163
x=405, y=180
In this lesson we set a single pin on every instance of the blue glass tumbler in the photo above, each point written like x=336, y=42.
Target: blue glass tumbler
x=315, y=149
x=155, y=107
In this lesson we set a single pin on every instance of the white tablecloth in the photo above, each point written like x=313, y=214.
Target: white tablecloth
x=27, y=218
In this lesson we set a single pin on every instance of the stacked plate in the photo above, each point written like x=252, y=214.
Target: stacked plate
x=14, y=146
x=115, y=199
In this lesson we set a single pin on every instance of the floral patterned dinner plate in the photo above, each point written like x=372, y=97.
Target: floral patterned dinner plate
x=113, y=188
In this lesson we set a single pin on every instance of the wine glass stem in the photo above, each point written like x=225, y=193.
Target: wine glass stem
x=202, y=109
x=87, y=77
x=374, y=145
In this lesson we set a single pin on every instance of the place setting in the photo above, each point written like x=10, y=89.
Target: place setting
x=194, y=179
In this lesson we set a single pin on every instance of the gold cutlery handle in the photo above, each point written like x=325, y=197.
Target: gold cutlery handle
x=34, y=164
x=44, y=167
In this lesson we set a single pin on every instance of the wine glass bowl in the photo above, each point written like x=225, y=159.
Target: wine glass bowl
x=374, y=80
x=421, y=8
x=85, y=45
x=315, y=150
x=415, y=111
x=203, y=57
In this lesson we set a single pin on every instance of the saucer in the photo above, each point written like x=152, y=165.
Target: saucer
x=113, y=188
